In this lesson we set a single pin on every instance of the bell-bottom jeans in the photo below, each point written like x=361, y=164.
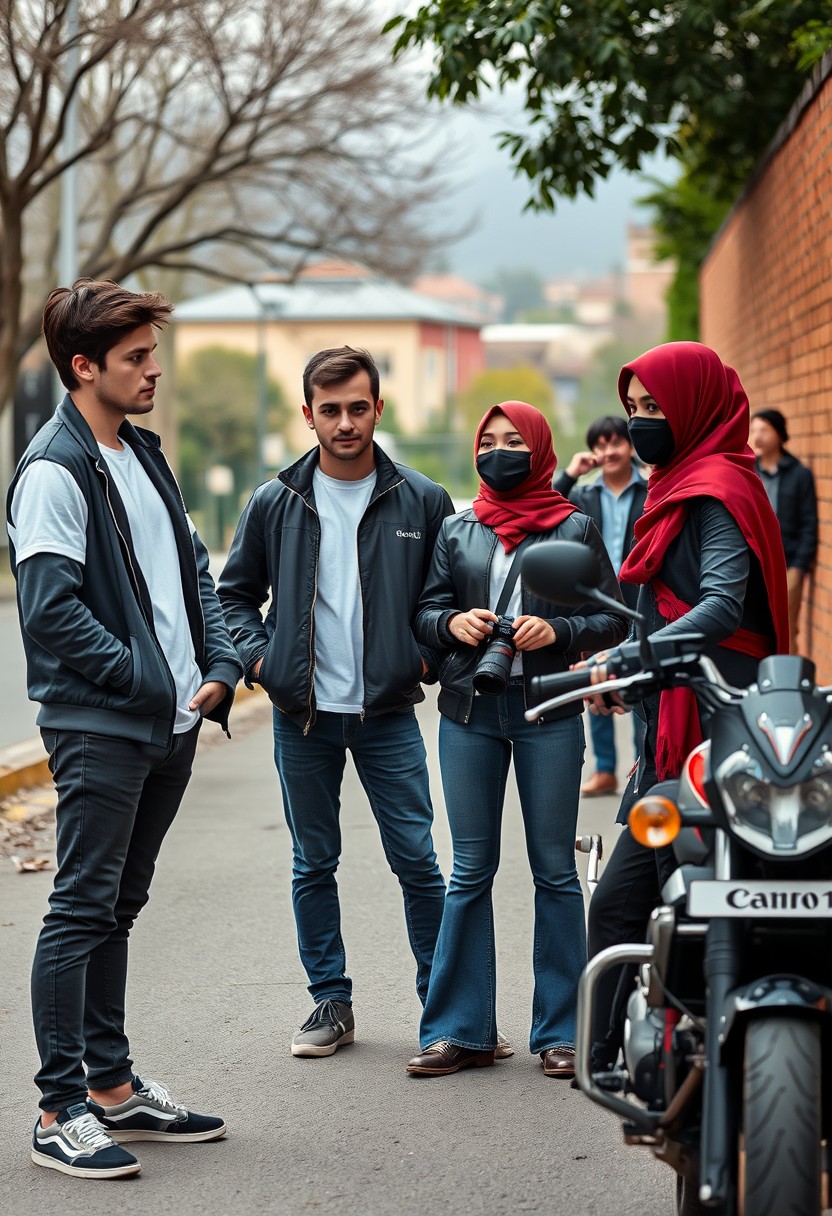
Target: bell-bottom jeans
x=474, y=760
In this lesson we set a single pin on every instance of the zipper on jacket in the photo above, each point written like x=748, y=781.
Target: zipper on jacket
x=193, y=555
x=312, y=664
x=372, y=503
x=134, y=577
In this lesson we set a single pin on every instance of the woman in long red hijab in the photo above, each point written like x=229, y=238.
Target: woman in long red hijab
x=709, y=559
x=471, y=585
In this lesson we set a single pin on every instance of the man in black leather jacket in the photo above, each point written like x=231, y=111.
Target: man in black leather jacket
x=342, y=542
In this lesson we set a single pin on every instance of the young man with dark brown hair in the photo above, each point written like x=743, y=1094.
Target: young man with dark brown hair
x=342, y=541
x=126, y=652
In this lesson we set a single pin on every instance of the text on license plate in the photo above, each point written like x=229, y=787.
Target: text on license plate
x=739, y=897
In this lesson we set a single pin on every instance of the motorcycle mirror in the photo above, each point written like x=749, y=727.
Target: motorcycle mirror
x=562, y=572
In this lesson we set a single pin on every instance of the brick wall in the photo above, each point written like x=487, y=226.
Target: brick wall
x=767, y=309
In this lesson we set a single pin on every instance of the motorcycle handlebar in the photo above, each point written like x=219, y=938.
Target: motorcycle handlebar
x=543, y=688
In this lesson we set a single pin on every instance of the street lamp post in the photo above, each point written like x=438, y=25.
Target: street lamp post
x=265, y=310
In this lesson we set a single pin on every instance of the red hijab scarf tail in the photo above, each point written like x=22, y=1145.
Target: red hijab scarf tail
x=704, y=402
x=533, y=506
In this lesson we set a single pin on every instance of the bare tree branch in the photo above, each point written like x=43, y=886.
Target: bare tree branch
x=216, y=138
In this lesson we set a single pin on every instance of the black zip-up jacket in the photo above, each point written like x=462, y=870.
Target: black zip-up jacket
x=587, y=498
x=276, y=548
x=93, y=659
x=459, y=581
x=797, y=511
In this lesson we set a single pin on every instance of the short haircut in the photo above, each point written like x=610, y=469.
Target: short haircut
x=605, y=428
x=776, y=420
x=91, y=317
x=335, y=366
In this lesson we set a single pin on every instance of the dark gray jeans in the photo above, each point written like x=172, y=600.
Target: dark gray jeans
x=116, y=800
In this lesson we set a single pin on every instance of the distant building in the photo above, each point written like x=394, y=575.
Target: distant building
x=588, y=302
x=647, y=280
x=560, y=352
x=475, y=302
x=425, y=350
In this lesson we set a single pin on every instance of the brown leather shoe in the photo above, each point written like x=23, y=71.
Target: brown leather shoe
x=443, y=1057
x=600, y=783
x=558, y=1062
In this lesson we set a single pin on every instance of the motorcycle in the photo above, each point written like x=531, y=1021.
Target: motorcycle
x=725, y=1072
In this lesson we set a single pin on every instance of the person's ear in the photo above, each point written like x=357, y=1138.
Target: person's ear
x=379, y=408
x=82, y=367
x=307, y=413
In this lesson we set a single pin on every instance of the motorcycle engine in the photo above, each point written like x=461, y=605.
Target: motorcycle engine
x=643, y=1042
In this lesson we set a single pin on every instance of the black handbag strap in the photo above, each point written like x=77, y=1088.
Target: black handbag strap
x=511, y=579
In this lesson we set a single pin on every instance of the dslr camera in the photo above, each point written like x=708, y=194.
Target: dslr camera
x=493, y=669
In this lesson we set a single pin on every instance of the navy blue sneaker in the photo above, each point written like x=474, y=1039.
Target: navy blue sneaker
x=77, y=1144
x=150, y=1113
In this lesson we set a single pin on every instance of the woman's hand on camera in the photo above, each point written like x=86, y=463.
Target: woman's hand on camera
x=472, y=626
x=532, y=632
x=596, y=665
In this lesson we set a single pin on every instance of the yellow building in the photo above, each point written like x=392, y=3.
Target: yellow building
x=426, y=351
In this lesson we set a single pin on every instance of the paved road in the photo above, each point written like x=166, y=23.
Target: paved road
x=216, y=991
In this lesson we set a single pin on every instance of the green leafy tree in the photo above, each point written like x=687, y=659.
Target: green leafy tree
x=217, y=394
x=496, y=384
x=607, y=83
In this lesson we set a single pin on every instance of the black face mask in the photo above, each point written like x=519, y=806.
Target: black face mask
x=652, y=439
x=503, y=470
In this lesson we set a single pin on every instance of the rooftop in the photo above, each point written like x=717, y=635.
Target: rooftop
x=326, y=292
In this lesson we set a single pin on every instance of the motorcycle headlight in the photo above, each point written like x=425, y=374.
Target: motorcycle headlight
x=777, y=819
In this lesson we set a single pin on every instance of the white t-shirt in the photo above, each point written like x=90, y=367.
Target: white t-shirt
x=339, y=615
x=50, y=516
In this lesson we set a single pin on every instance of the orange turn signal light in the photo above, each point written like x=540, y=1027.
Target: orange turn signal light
x=655, y=821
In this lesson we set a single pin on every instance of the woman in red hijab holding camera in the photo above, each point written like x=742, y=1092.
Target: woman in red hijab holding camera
x=495, y=635
x=709, y=559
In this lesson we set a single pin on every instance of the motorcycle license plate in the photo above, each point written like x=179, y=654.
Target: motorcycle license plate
x=766, y=900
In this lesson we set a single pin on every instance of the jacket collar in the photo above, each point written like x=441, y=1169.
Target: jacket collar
x=298, y=476
x=76, y=423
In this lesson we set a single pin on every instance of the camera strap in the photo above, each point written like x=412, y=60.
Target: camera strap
x=511, y=579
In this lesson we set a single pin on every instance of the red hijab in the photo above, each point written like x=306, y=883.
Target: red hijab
x=706, y=406
x=533, y=506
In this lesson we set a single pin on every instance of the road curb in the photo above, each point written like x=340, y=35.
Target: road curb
x=24, y=765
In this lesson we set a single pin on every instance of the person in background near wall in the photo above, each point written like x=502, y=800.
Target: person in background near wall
x=341, y=543
x=790, y=486
x=127, y=653
x=614, y=501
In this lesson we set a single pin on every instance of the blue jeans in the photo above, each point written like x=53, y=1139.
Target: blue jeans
x=116, y=800
x=389, y=757
x=602, y=733
x=474, y=759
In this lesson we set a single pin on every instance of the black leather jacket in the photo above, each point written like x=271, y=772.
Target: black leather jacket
x=276, y=548
x=459, y=581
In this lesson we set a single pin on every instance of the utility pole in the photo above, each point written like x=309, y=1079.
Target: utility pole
x=68, y=251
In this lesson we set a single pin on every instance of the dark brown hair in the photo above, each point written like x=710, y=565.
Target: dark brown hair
x=92, y=317
x=335, y=366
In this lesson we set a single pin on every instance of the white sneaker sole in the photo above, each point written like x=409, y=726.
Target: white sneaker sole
x=309, y=1049
x=75, y=1171
x=129, y=1135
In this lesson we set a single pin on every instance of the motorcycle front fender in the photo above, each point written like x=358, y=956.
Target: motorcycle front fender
x=772, y=994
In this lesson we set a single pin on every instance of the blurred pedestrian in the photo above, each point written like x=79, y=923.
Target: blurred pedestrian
x=474, y=581
x=341, y=543
x=127, y=652
x=708, y=560
x=790, y=486
x=613, y=501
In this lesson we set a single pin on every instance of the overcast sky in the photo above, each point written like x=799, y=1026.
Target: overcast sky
x=583, y=236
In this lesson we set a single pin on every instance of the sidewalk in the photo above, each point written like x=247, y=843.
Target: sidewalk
x=216, y=992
